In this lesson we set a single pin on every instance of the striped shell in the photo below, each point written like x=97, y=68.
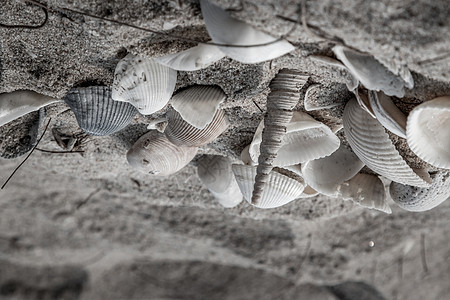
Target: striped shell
x=96, y=112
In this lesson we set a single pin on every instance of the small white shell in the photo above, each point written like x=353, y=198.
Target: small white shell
x=216, y=174
x=315, y=101
x=224, y=29
x=245, y=157
x=428, y=131
x=351, y=82
x=144, y=83
x=363, y=100
x=372, y=145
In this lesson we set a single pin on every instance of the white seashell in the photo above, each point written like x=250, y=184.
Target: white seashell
x=279, y=189
x=193, y=59
x=363, y=100
x=224, y=29
x=428, y=131
x=245, y=157
x=367, y=191
x=198, y=104
x=351, y=82
x=372, y=145
x=216, y=174
x=313, y=100
x=154, y=154
x=19, y=103
x=144, y=83
x=421, y=199
x=387, y=113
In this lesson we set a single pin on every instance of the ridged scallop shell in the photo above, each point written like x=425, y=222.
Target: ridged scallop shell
x=198, y=104
x=144, y=83
x=224, y=29
x=371, y=143
x=421, y=199
x=154, y=154
x=279, y=189
x=428, y=131
x=180, y=132
x=216, y=174
x=19, y=103
x=96, y=112
x=351, y=82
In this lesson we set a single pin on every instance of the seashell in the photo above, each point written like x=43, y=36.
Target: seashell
x=193, y=59
x=154, y=154
x=370, y=72
x=159, y=124
x=279, y=190
x=198, y=104
x=181, y=133
x=96, y=112
x=224, y=29
x=421, y=199
x=363, y=100
x=245, y=157
x=315, y=101
x=387, y=113
x=144, y=83
x=372, y=145
x=19, y=103
x=428, y=131
x=367, y=191
x=350, y=81
x=216, y=174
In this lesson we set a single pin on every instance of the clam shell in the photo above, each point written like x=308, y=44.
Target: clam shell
x=216, y=174
x=96, y=112
x=279, y=189
x=198, y=104
x=371, y=143
x=421, y=199
x=428, y=131
x=154, y=154
x=144, y=83
x=224, y=29
x=350, y=81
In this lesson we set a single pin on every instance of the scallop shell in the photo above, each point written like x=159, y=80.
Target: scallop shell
x=224, y=29
x=180, y=132
x=372, y=145
x=216, y=174
x=428, y=131
x=198, y=104
x=421, y=199
x=19, y=103
x=96, y=112
x=279, y=189
x=144, y=83
x=350, y=81
x=154, y=154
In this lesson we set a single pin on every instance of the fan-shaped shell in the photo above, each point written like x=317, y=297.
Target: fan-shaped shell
x=144, y=83
x=224, y=29
x=154, y=154
x=96, y=112
x=216, y=174
x=428, y=131
x=371, y=143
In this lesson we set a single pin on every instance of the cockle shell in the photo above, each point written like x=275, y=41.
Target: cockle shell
x=371, y=143
x=279, y=190
x=428, y=131
x=421, y=199
x=18, y=103
x=144, y=83
x=350, y=81
x=224, y=29
x=154, y=154
x=216, y=174
x=96, y=112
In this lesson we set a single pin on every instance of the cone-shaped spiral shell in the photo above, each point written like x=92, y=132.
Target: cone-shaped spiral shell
x=193, y=59
x=216, y=174
x=198, y=104
x=366, y=190
x=428, y=131
x=279, y=189
x=96, y=112
x=421, y=199
x=144, y=83
x=154, y=154
x=224, y=29
x=371, y=143
x=18, y=103
x=180, y=132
